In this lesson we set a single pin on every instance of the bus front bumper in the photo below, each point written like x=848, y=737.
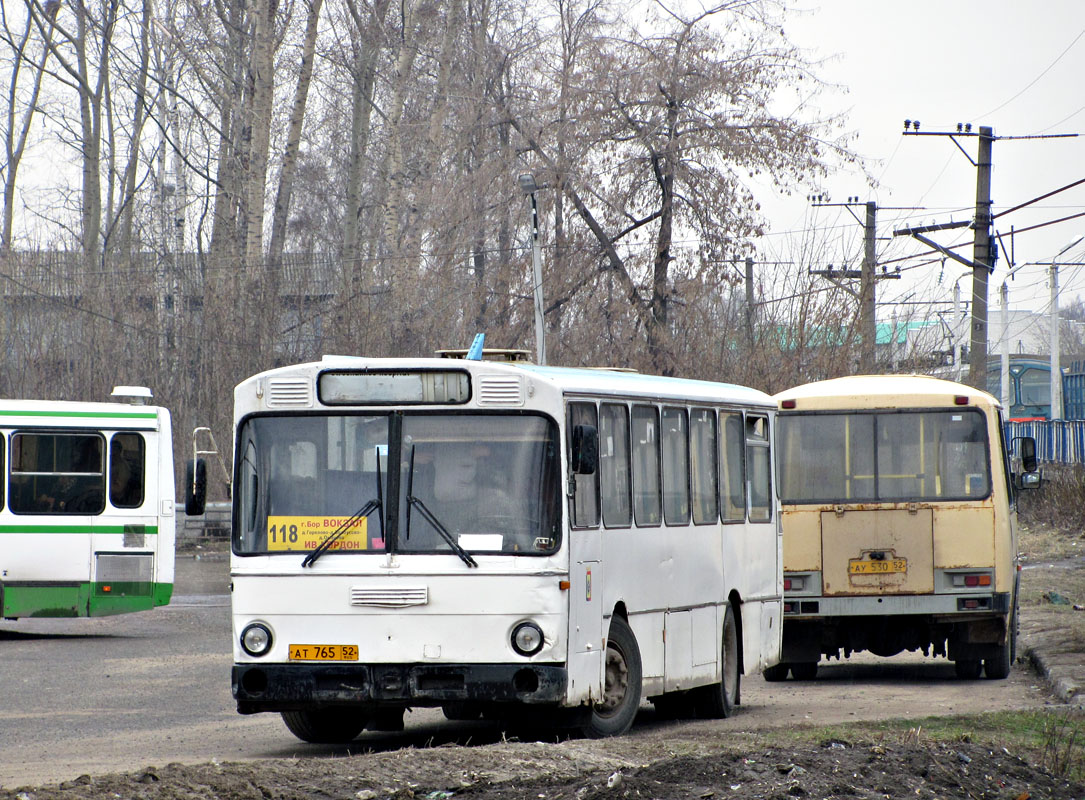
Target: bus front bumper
x=292, y=687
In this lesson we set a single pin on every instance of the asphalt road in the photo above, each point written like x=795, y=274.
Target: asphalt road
x=116, y=694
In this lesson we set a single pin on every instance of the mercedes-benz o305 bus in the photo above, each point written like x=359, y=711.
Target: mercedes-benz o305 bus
x=496, y=539
x=86, y=507
x=900, y=530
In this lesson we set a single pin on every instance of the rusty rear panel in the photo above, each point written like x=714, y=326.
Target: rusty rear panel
x=880, y=538
x=966, y=536
x=802, y=539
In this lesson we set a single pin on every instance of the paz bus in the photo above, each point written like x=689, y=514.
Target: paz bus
x=498, y=539
x=86, y=506
x=899, y=520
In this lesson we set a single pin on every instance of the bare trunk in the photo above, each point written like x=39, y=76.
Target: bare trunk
x=293, y=138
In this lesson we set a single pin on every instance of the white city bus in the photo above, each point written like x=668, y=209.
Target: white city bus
x=900, y=529
x=86, y=507
x=498, y=539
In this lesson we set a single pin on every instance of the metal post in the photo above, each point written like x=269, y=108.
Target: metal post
x=1056, y=371
x=536, y=264
x=1004, y=353
x=529, y=187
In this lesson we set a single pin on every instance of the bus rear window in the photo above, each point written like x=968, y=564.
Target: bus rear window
x=883, y=456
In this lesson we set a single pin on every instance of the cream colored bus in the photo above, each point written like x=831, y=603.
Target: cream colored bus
x=899, y=520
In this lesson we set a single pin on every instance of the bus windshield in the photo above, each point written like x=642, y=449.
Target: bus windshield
x=883, y=457
x=490, y=481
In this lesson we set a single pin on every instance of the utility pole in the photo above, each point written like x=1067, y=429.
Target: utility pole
x=983, y=264
x=868, y=327
x=867, y=297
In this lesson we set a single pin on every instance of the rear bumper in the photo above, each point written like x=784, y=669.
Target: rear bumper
x=935, y=605
x=290, y=687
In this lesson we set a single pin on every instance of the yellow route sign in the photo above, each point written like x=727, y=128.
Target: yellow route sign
x=285, y=534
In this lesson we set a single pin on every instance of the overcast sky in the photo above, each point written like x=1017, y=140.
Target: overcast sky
x=1016, y=66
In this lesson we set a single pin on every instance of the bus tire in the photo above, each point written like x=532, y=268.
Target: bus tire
x=968, y=668
x=777, y=672
x=719, y=700
x=326, y=726
x=804, y=670
x=998, y=667
x=614, y=715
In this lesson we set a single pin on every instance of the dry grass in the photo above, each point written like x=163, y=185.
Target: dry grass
x=1052, y=545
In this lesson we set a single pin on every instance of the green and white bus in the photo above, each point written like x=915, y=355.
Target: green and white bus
x=86, y=507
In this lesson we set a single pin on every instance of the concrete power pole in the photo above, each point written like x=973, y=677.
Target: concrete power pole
x=982, y=261
x=868, y=328
x=749, y=303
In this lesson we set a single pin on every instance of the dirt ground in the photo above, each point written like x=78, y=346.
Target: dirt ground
x=684, y=759
x=667, y=766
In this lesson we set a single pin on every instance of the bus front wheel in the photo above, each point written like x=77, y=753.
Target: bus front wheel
x=326, y=726
x=614, y=714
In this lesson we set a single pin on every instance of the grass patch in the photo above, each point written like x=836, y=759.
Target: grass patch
x=1050, y=738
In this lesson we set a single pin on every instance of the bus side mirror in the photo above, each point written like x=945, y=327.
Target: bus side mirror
x=1028, y=453
x=1029, y=480
x=195, y=487
x=585, y=455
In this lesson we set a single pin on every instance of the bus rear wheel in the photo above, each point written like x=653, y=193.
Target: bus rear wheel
x=968, y=668
x=777, y=672
x=326, y=726
x=719, y=699
x=614, y=714
x=998, y=667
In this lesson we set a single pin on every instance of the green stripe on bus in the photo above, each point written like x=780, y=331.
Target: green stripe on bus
x=82, y=414
x=76, y=529
x=84, y=599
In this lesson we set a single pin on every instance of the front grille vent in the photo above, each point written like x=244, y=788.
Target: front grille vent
x=289, y=393
x=389, y=598
x=500, y=390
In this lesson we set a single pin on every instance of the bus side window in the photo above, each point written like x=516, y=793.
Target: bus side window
x=127, y=470
x=646, y=499
x=614, y=475
x=57, y=473
x=732, y=468
x=585, y=501
x=703, y=466
x=759, y=466
x=675, y=466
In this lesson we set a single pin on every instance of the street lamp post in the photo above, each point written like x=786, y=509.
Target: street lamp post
x=529, y=187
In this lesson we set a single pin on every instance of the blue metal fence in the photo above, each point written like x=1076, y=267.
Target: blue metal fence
x=1060, y=441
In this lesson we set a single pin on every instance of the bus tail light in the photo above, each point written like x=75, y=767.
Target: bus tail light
x=972, y=579
x=796, y=584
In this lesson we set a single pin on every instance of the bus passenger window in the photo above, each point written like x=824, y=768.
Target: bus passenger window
x=614, y=475
x=703, y=467
x=646, y=500
x=732, y=469
x=57, y=473
x=585, y=501
x=126, y=470
x=675, y=466
x=760, y=469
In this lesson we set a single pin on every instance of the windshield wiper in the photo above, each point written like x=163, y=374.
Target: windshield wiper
x=428, y=516
x=376, y=504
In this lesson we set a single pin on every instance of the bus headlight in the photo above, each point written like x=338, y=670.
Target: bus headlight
x=527, y=638
x=256, y=639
